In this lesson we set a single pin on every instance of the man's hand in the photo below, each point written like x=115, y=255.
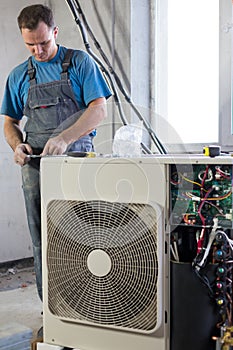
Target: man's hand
x=87, y=122
x=22, y=152
x=55, y=146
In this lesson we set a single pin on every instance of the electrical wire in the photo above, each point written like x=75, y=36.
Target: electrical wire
x=204, y=279
x=202, y=204
x=188, y=180
x=77, y=13
x=193, y=196
x=211, y=239
x=111, y=44
x=198, y=265
x=228, y=194
x=91, y=53
x=224, y=174
x=174, y=253
x=87, y=45
x=206, y=172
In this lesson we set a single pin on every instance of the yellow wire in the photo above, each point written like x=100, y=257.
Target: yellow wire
x=186, y=179
x=190, y=195
x=216, y=199
x=209, y=199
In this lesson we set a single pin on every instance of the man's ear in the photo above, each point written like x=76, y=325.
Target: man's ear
x=55, y=32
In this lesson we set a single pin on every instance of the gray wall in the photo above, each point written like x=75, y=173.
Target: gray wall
x=14, y=236
x=111, y=23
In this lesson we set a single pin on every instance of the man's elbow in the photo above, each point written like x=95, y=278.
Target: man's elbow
x=103, y=111
x=100, y=109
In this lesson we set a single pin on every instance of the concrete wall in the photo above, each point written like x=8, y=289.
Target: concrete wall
x=110, y=20
x=14, y=236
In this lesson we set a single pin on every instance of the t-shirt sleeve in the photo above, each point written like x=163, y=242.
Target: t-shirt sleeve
x=11, y=104
x=93, y=82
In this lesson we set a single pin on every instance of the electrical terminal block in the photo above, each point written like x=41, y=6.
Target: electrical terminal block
x=228, y=216
x=225, y=342
x=189, y=218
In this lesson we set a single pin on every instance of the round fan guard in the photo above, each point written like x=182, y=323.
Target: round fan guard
x=102, y=263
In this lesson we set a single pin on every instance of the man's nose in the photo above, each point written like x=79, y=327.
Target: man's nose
x=38, y=49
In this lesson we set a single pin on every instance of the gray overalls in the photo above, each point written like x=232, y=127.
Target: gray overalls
x=49, y=109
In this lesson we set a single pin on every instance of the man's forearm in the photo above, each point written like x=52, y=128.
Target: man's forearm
x=12, y=132
x=89, y=120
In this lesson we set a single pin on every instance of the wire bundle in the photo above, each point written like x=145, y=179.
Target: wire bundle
x=111, y=75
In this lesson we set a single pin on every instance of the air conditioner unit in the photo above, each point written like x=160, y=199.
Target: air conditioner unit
x=105, y=262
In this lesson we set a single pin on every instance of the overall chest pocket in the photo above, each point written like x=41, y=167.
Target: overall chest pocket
x=49, y=114
x=43, y=114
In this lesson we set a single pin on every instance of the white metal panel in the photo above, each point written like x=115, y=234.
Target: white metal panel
x=113, y=180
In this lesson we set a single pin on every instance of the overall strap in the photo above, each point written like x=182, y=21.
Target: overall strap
x=31, y=72
x=66, y=63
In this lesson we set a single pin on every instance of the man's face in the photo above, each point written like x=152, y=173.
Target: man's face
x=41, y=42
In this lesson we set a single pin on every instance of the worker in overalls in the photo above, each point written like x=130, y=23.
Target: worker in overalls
x=63, y=95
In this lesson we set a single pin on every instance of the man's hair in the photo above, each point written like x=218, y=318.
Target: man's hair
x=32, y=15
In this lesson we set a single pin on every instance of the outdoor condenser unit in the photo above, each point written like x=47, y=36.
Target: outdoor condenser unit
x=105, y=259
x=137, y=252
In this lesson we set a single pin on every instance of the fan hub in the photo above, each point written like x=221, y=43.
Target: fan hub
x=99, y=263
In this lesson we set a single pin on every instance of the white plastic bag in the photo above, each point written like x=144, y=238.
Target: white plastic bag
x=127, y=141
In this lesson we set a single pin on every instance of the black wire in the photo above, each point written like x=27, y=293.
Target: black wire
x=115, y=94
x=105, y=34
x=112, y=46
x=118, y=81
x=84, y=37
x=155, y=139
x=204, y=279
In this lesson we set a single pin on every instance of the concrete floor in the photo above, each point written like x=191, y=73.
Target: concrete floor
x=19, y=302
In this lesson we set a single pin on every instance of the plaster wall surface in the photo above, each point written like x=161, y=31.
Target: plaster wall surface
x=111, y=27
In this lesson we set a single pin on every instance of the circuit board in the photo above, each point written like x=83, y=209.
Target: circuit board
x=200, y=193
x=201, y=249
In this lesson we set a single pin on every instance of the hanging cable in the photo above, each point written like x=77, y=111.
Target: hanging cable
x=75, y=7
x=151, y=132
x=87, y=45
x=110, y=44
x=112, y=54
x=115, y=93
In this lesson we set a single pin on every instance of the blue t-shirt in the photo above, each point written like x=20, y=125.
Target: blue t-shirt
x=86, y=79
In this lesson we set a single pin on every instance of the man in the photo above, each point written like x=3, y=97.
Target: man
x=63, y=95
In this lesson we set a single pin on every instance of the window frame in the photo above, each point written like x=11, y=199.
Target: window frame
x=225, y=75
x=225, y=137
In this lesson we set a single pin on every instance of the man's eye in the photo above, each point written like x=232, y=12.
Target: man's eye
x=41, y=44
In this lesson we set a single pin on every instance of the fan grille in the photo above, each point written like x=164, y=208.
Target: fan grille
x=102, y=263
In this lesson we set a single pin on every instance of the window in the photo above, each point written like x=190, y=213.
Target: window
x=193, y=72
